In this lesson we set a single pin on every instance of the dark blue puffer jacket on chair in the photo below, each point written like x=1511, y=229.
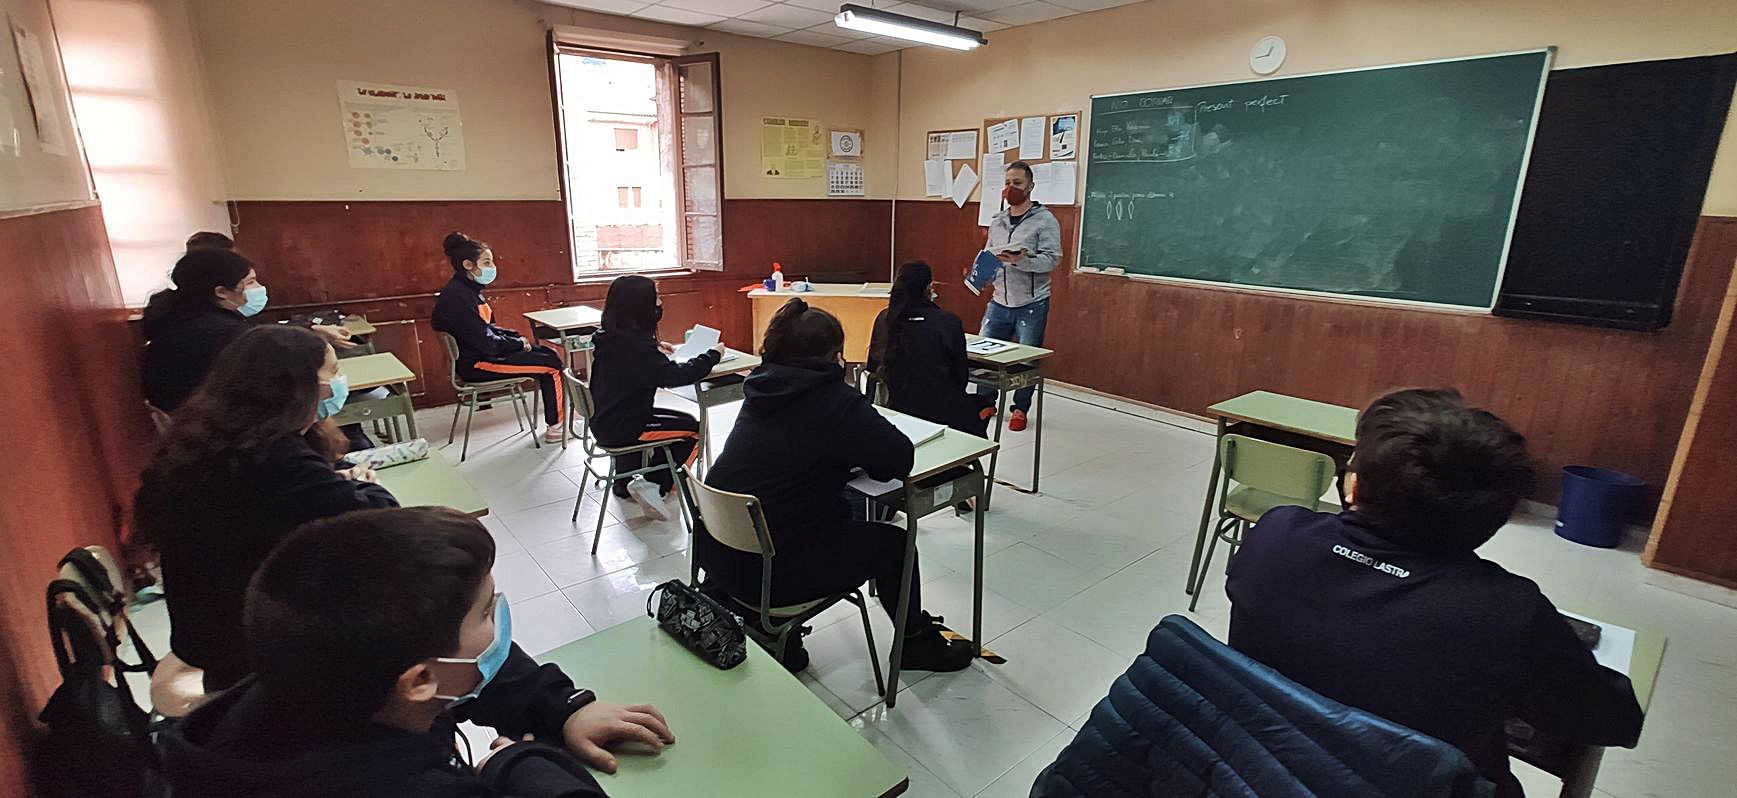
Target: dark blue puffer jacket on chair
x=1194, y=717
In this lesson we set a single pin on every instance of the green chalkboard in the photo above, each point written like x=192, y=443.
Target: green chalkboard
x=1392, y=183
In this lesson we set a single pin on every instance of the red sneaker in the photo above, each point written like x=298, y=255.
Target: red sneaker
x=1016, y=422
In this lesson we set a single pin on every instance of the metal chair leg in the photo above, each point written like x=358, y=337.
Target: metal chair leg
x=452, y=433
x=518, y=412
x=1205, y=565
x=868, y=632
x=602, y=508
x=465, y=452
x=531, y=415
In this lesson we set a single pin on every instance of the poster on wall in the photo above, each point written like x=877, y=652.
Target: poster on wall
x=792, y=148
x=401, y=127
x=34, y=66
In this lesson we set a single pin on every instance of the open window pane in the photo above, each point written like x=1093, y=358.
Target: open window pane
x=702, y=178
x=622, y=197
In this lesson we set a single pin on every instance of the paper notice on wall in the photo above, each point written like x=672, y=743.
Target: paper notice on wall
x=962, y=145
x=960, y=191
x=1003, y=136
x=792, y=148
x=1033, y=132
x=401, y=127
x=937, y=145
x=50, y=134
x=994, y=164
x=847, y=144
x=844, y=179
x=1055, y=182
x=1063, y=136
x=935, y=174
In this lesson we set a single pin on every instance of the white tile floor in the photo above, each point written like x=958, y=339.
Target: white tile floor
x=1075, y=577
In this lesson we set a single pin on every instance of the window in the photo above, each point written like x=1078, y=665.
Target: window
x=640, y=162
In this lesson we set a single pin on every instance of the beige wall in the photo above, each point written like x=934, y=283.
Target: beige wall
x=1057, y=66
x=273, y=66
x=140, y=95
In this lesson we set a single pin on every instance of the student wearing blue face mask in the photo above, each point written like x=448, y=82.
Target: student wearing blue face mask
x=371, y=636
x=251, y=456
x=486, y=350
x=215, y=296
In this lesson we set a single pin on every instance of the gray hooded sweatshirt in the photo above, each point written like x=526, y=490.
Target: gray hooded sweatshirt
x=1020, y=284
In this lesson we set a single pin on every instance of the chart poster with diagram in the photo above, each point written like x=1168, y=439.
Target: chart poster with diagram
x=792, y=148
x=401, y=127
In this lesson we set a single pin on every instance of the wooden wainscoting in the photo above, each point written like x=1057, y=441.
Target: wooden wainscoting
x=1582, y=395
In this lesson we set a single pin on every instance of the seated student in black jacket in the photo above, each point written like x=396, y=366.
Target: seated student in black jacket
x=486, y=350
x=250, y=456
x=628, y=365
x=801, y=433
x=1386, y=607
x=371, y=637
x=216, y=291
x=918, y=353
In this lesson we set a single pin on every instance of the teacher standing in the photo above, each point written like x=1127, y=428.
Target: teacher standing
x=1020, y=307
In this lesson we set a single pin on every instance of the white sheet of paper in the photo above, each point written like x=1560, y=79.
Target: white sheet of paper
x=1615, y=644
x=1032, y=130
x=870, y=486
x=935, y=178
x=918, y=430
x=962, y=186
x=1040, y=178
x=962, y=146
x=994, y=164
x=1003, y=136
x=1063, y=182
x=937, y=145
x=1063, y=136
x=699, y=340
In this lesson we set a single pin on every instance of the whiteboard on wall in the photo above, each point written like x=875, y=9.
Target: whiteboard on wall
x=41, y=162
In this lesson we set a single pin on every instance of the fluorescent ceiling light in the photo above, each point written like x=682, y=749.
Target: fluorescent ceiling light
x=899, y=26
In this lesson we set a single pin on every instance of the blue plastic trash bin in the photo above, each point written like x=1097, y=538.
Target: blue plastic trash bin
x=1596, y=502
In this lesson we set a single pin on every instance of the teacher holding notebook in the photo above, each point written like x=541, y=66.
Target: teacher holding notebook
x=1026, y=238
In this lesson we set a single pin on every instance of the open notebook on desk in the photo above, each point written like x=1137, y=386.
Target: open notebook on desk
x=918, y=430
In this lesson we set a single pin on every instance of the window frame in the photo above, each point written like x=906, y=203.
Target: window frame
x=670, y=121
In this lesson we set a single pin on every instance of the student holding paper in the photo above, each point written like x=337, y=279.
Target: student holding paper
x=628, y=365
x=1026, y=238
x=802, y=434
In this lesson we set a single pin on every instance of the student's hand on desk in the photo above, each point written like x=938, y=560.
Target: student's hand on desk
x=599, y=726
x=666, y=348
x=360, y=474
x=337, y=336
x=525, y=343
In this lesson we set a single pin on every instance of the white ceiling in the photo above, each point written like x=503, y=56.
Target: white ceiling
x=810, y=21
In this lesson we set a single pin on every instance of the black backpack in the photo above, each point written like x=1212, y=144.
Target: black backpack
x=98, y=740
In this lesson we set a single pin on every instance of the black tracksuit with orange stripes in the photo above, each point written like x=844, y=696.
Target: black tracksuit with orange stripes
x=488, y=351
x=626, y=371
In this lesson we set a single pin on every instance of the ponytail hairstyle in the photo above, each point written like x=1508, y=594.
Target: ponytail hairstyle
x=910, y=289
x=630, y=309
x=800, y=335
x=460, y=248
x=195, y=276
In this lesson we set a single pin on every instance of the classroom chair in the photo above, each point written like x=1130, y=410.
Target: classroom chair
x=585, y=406
x=1268, y=475
x=471, y=394
x=736, y=520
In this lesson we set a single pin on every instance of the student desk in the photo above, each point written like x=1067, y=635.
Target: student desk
x=1577, y=765
x=1008, y=371
x=753, y=730
x=432, y=482
x=1296, y=422
x=946, y=471
x=367, y=372
x=721, y=386
x=855, y=310
x=569, y=328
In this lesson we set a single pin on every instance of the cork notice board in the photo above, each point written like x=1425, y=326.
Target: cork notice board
x=1048, y=143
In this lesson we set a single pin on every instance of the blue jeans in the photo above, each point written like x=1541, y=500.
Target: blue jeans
x=1023, y=324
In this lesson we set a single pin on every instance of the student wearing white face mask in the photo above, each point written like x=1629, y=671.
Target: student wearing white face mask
x=216, y=294
x=371, y=636
x=251, y=456
x=486, y=350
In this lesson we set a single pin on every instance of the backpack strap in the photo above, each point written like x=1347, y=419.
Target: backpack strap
x=110, y=604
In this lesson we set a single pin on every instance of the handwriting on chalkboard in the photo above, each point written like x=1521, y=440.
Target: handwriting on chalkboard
x=1265, y=101
x=1119, y=205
